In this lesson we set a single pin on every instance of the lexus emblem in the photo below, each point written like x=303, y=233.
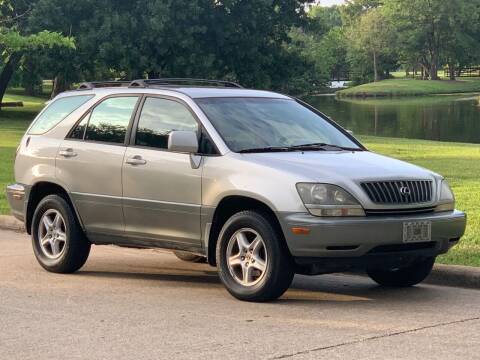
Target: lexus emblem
x=404, y=190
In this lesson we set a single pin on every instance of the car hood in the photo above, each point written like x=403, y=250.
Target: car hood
x=339, y=166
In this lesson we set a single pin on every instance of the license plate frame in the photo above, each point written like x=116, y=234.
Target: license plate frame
x=417, y=231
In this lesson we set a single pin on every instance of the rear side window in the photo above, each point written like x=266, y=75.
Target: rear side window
x=56, y=112
x=159, y=117
x=109, y=120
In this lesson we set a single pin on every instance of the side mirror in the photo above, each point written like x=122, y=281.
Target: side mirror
x=183, y=141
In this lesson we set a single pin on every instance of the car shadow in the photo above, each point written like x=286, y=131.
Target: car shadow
x=336, y=289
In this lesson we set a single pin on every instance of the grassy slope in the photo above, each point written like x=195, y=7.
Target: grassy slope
x=13, y=122
x=459, y=163
x=405, y=87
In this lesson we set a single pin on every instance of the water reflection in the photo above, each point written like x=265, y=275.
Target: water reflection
x=446, y=118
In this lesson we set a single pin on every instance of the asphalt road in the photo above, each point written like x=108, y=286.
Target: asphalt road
x=145, y=304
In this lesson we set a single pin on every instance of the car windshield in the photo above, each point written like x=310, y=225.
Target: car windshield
x=266, y=124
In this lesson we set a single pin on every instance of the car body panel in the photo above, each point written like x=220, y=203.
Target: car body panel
x=95, y=183
x=354, y=237
x=342, y=168
x=162, y=198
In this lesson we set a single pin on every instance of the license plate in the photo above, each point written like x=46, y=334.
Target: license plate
x=417, y=231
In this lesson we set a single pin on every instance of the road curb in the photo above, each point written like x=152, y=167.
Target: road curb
x=8, y=222
x=444, y=275
x=455, y=276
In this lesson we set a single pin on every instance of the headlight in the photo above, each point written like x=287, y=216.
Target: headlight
x=328, y=200
x=446, y=201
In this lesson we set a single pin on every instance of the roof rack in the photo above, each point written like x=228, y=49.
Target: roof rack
x=102, y=84
x=183, y=81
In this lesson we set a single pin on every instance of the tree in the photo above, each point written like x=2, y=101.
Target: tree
x=435, y=30
x=354, y=9
x=372, y=35
x=16, y=42
x=240, y=40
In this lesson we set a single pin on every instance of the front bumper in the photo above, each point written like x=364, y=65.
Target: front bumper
x=336, y=238
x=17, y=195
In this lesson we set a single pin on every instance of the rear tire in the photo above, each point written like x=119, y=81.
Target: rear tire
x=189, y=257
x=253, y=261
x=407, y=276
x=59, y=243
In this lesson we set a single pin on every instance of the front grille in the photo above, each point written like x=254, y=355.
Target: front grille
x=399, y=192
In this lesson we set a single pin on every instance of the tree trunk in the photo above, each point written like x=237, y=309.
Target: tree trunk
x=7, y=73
x=433, y=68
x=459, y=70
x=60, y=84
x=375, y=73
x=451, y=71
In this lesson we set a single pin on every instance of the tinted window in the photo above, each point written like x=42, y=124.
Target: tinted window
x=79, y=129
x=56, y=112
x=158, y=118
x=252, y=123
x=109, y=120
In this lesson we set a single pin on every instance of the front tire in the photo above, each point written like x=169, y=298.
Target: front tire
x=252, y=258
x=410, y=275
x=57, y=238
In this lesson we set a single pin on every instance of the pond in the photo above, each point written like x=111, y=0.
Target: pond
x=444, y=118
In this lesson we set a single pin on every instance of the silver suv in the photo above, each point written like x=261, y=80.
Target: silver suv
x=259, y=184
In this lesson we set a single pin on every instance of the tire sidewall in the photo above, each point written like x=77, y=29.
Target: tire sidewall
x=57, y=203
x=260, y=225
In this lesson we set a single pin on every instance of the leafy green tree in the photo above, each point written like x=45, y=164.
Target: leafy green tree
x=240, y=40
x=354, y=9
x=16, y=42
x=320, y=46
x=373, y=39
x=435, y=31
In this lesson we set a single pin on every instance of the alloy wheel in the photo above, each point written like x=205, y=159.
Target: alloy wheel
x=52, y=234
x=247, y=257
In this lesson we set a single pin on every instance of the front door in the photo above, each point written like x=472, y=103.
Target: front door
x=89, y=162
x=161, y=189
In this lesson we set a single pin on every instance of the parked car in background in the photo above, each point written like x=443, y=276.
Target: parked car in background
x=258, y=184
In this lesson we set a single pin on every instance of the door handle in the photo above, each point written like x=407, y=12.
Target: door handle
x=136, y=160
x=67, y=153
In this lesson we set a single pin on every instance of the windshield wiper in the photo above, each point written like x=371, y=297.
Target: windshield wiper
x=323, y=146
x=267, y=149
x=303, y=147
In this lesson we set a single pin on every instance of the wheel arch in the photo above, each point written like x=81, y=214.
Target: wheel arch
x=226, y=208
x=39, y=191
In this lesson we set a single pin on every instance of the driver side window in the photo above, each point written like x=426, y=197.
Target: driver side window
x=158, y=118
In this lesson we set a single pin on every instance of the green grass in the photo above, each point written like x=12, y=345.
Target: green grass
x=410, y=87
x=13, y=122
x=459, y=163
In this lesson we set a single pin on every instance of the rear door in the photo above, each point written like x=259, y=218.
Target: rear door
x=89, y=163
x=162, y=190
